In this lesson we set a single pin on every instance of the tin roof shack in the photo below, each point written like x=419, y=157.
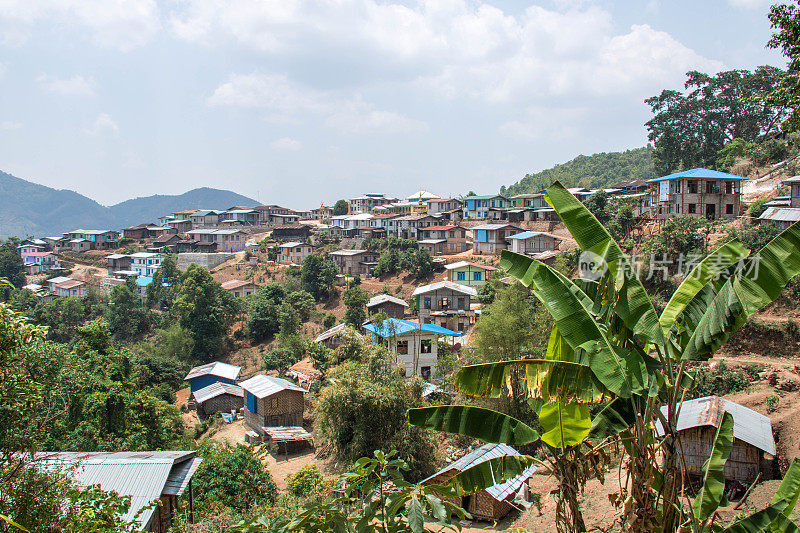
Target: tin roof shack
x=271, y=401
x=218, y=397
x=491, y=238
x=334, y=337
x=533, y=242
x=144, y=476
x=204, y=375
x=783, y=217
x=447, y=304
x=415, y=345
x=117, y=263
x=753, y=444
x=293, y=252
x=466, y=273
x=492, y=503
x=352, y=262
x=393, y=307
x=239, y=288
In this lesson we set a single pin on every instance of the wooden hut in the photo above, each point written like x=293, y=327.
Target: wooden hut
x=271, y=401
x=753, y=443
x=204, y=375
x=218, y=398
x=392, y=306
x=494, y=502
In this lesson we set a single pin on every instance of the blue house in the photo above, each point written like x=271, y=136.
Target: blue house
x=492, y=206
x=217, y=372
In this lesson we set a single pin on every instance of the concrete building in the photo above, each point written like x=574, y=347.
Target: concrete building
x=294, y=252
x=354, y=262
x=696, y=192
x=492, y=238
x=447, y=304
x=466, y=273
x=386, y=303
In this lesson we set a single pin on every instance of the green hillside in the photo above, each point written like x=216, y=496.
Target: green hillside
x=591, y=171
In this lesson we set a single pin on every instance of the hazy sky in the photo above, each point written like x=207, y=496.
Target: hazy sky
x=297, y=102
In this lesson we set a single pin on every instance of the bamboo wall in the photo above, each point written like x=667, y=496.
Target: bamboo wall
x=695, y=448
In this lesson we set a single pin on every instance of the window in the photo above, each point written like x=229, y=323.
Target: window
x=476, y=276
x=692, y=208
x=425, y=346
x=728, y=187
x=402, y=347
x=425, y=371
x=729, y=209
x=678, y=186
x=427, y=302
x=692, y=184
x=452, y=234
x=710, y=186
x=461, y=276
x=461, y=303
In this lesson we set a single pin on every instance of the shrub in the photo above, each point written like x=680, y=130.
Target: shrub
x=329, y=321
x=305, y=481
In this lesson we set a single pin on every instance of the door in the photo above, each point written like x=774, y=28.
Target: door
x=711, y=211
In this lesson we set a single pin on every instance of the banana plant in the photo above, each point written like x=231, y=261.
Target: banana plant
x=609, y=346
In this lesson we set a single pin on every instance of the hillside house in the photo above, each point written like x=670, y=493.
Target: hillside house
x=56, y=243
x=794, y=190
x=354, y=262
x=294, y=252
x=414, y=345
x=218, y=397
x=146, y=263
x=533, y=242
x=437, y=206
x=368, y=202
x=697, y=192
x=494, y=502
x=351, y=226
x=492, y=238
x=334, y=337
x=38, y=262
x=271, y=401
x=782, y=217
x=533, y=200
x=145, y=476
x=239, y=288
x=97, y=239
x=167, y=240
x=443, y=240
x=79, y=245
x=145, y=230
x=294, y=232
x=216, y=372
x=407, y=226
x=276, y=215
x=466, y=273
x=29, y=248
x=385, y=303
x=69, y=287
x=447, y=304
x=489, y=207
x=118, y=263
x=226, y=240
x=204, y=218
x=239, y=217
x=753, y=443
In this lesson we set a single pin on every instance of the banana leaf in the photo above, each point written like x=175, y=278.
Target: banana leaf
x=614, y=418
x=633, y=305
x=761, y=521
x=711, y=493
x=565, y=424
x=486, y=474
x=476, y=422
x=789, y=490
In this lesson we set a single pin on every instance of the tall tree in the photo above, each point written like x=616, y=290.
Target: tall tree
x=341, y=207
x=317, y=275
x=785, y=20
x=11, y=266
x=355, y=298
x=126, y=315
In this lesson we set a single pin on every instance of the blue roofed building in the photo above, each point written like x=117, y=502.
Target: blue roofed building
x=488, y=207
x=216, y=372
x=696, y=192
x=492, y=238
x=414, y=345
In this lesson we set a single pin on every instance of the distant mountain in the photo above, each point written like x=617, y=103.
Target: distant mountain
x=30, y=209
x=591, y=171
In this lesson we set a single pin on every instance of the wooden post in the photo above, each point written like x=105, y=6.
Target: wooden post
x=191, y=503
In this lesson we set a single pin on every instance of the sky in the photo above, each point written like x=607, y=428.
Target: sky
x=300, y=102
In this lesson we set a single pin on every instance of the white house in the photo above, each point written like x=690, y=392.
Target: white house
x=146, y=263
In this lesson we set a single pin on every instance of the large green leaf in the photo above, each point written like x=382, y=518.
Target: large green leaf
x=475, y=422
x=545, y=379
x=565, y=424
x=710, y=496
x=762, y=520
x=487, y=474
x=571, y=311
x=789, y=489
x=633, y=305
x=614, y=418
x=710, y=268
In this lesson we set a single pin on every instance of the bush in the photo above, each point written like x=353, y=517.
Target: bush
x=721, y=380
x=305, y=481
x=329, y=321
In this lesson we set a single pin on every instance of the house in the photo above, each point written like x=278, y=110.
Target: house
x=385, y=303
x=783, y=217
x=204, y=218
x=50, y=284
x=533, y=242
x=407, y=226
x=97, y=239
x=368, y=202
x=295, y=232
x=794, y=190
x=447, y=304
x=239, y=288
x=272, y=401
x=226, y=240
x=352, y=226
x=532, y=200
x=165, y=240
x=57, y=243
x=294, y=252
x=144, y=476
x=334, y=337
x=492, y=238
x=204, y=375
x=753, y=444
x=146, y=263
x=239, y=217
x=40, y=292
x=437, y=206
x=37, y=262
x=354, y=262
x=484, y=207
x=466, y=273
x=696, y=192
x=271, y=215
x=443, y=240
x=70, y=287
x=79, y=245
x=414, y=345
x=29, y=248
x=218, y=397
x=118, y=262
x=145, y=230
x=492, y=503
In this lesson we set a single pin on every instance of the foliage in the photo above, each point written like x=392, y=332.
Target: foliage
x=388, y=262
x=127, y=317
x=162, y=363
x=680, y=236
x=785, y=20
x=206, y=310
x=317, y=276
x=594, y=171
x=302, y=302
x=280, y=358
x=62, y=316
x=355, y=298
x=754, y=237
x=390, y=243
x=262, y=308
x=341, y=207
x=721, y=380
x=11, y=266
x=165, y=283
x=319, y=354
x=757, y=207
x=234, y=476
x=329, y=321
x=689, y=130
x=305, y=481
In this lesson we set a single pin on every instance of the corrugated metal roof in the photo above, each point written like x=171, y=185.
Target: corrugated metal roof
x=349, y=252
x=485, y=453
x=262, y=386
x=382, y=298
x=530, y=234
x=748, y=425
x=290, y=244
x=464, y=289
x=461, y=264
x=215, y=389
x=396, y=326
x=793, y=179
x=494, y=227
x=180, y=476
x=235, y=284
x=330, y=333
x=781, y=214
x=141, y=475
x=701, y=173
x=217, y=368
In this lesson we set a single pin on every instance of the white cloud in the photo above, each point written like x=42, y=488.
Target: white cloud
x=9, y=125
x=749, y=4
x=119, y=24
x=286, y=102
x=76, y=85
x=537, y=123
x=285, y=144
x=103, y=125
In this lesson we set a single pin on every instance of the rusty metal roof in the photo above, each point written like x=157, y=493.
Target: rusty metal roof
x=748, y=425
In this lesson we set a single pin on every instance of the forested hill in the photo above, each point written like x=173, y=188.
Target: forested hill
x=31, y=209
x=591, y=171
